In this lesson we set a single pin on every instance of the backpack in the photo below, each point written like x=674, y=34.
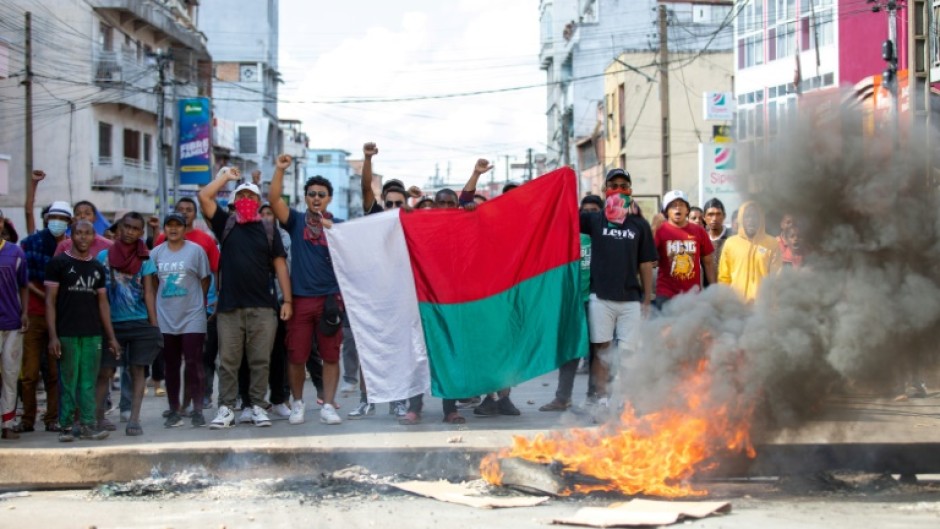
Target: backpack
x=268, y=230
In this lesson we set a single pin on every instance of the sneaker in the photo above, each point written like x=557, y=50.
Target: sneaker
x=280, y=411
x=87, y=432
x=506, y=407
x=296, y=413
x=245, y=417
x=463, y=404
x=361, y=411
x=198, y=419
x=125, y=416
x=348, y=388
x=65, y=436
x=328, y=415
x=399, y=408
x=488, y=407
x=223, y=419
x=173, y=420
x=259, y=417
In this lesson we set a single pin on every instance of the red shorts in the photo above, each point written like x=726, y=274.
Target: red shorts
x=304, y=326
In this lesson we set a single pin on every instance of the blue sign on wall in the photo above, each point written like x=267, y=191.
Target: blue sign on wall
x=195, y=146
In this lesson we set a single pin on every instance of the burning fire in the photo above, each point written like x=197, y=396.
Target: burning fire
x=654, y=454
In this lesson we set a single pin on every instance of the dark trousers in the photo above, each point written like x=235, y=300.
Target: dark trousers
x=210, y=354
x=179, y=348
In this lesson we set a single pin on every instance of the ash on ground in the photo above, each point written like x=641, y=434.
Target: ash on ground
x=348, y=483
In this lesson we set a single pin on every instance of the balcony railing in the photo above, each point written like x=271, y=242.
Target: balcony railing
x=124, y=174
x=122, y=67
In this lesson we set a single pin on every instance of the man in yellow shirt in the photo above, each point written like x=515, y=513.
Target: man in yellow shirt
x=750, y=255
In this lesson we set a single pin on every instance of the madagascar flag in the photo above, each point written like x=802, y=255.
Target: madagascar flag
x=466, y=302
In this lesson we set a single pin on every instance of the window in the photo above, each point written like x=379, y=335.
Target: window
x=105, y=37
x=324, y=159
x=104, y=140
x=750, y=45
x=248, y=140
x=148, y=149
x=131, y=144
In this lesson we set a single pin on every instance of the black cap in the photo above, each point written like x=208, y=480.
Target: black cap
x=178, y=217
x=613, y=173
x=392, y=183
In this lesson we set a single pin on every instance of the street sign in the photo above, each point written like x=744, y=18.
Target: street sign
x=719, y=106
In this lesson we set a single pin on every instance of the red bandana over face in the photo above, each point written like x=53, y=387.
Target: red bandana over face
x=246, y=210
x=617, y=206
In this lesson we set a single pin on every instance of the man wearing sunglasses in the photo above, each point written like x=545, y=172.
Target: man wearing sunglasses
x=622, y=257
x=316, y=298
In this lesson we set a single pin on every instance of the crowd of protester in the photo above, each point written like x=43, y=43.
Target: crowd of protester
x=248, y=308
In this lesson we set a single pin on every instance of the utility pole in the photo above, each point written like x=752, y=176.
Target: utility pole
x=506, y=158
x=666, y=152
x=28, y=155
x=162, y=59
x=528, y=170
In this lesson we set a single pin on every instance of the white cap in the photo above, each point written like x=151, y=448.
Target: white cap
x=60, y=207
x=250, y=187
x=674, y=195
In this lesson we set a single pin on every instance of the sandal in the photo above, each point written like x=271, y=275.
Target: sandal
x=411, y=418
x=454, y=418
x=106, y=425
x=556, y=405
x=133, y=429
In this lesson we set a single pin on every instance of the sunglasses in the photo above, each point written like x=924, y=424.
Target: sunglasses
x=315, y=194
x=394, y=203
x=619, y=186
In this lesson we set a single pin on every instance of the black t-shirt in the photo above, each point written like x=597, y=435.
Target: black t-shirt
x=245, y=264
x=76, y=303
x=616, y=254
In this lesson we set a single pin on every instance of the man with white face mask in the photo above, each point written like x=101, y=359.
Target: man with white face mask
x=39, y=249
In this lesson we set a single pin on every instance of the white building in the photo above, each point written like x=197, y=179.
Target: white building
x=243, y=40
x=94, y=107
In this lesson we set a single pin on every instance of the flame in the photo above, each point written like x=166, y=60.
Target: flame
x=654, y=454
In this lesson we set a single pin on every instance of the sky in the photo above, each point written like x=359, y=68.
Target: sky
x=342, y=51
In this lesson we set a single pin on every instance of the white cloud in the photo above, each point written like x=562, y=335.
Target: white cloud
x=432, y=48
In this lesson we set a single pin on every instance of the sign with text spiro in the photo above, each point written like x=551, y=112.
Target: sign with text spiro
x=195, y=145
x=719, y=106
x=718, y=175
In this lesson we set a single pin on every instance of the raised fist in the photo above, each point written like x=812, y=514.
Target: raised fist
x=283, y=161
x=256, y=177
x=415, y=192
x=229, y=173
x=38, y=175
x=154, y=222
x=369, y=150
x=483, y=165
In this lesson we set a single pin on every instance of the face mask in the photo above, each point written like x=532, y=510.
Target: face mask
x=57, y=227
x=616, y=207
x=246, y=210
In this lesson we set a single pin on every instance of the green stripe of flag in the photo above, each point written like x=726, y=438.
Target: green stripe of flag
x=486, y=345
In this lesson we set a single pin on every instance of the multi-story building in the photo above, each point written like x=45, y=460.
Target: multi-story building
x=294, y=142
x=94, y=88
x=243, y=38
x=579, y=39
x=634, y=118
x=333, y=164
x=788, y=48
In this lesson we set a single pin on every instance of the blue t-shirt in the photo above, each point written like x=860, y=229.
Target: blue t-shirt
x=126, y=293
x=311, y=267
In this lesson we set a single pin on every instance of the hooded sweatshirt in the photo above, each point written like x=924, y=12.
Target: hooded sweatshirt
x=745, y=262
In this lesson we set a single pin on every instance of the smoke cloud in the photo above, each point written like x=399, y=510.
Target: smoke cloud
x=862, y=312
